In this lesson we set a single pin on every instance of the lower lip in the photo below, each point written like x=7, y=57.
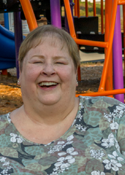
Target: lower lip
x=48, y=88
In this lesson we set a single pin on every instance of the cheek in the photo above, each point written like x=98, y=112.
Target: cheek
x=28, y=79
x=67, y=74
x=31, y=72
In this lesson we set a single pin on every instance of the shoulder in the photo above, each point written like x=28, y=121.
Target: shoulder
x=4, y=122
x=101, y=102
x=5, y=118
x=100, y=110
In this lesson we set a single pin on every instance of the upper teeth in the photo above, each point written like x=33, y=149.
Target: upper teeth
x=47, y=83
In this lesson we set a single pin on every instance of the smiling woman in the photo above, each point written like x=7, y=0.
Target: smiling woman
x=54, y=132
x=52, y=70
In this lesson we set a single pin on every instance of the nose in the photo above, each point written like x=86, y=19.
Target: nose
x=48, y=69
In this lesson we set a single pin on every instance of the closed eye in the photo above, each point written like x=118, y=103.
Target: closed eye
x=37, y=62
x=60, y=63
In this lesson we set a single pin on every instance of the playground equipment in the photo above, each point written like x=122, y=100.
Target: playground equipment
x=106, y=80
x=107, y=44
x=6, y=24
x=9, y=44
x=6, y=21
x=7, y=49
x=91, y=31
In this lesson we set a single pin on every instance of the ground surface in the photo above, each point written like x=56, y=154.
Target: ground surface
x=10, y=93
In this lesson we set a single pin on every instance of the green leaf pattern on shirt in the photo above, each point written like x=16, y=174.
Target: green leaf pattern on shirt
x=93, y=145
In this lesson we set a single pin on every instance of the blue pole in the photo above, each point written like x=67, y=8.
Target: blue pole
x=6, y=21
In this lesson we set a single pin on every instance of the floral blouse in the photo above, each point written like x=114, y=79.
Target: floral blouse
x=93, y=145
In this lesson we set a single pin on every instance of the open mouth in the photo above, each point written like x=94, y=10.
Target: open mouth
x=48, y=84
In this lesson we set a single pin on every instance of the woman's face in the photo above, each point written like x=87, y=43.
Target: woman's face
x=48, y=75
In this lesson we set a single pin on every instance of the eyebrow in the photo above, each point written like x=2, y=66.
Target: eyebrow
x=39, y=56
x=59, y=57
x=56, y=57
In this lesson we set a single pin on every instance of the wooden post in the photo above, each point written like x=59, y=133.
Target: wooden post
x=102, y=16
x=94, y=8
x=86, y=7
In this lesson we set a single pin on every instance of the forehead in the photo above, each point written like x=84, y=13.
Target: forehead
x=49, y=45
x=54, y=41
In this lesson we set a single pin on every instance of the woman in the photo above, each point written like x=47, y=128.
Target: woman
x=54, y=132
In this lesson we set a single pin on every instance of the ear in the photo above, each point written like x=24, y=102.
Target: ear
x=20, y=73
x=77, y=77
x=76, y=82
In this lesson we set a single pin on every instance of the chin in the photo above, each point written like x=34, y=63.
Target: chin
x=49, y=103
x=49, y=100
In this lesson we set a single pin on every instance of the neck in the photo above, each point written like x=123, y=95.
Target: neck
x=50, y=115
x=49, y=126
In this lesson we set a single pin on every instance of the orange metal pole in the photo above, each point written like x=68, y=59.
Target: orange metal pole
x=29, y=14
x=109, y=50
x=121, y=2
x=109, y=79
x=104, y=93
x=71, y=27
x=69, y=19
x=102, y=16
x=86, y=7
x=91, y=43
x=72, y=30
x=94, y=43
x=94, y=8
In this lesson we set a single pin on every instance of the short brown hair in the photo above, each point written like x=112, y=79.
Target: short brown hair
x=34, y=38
